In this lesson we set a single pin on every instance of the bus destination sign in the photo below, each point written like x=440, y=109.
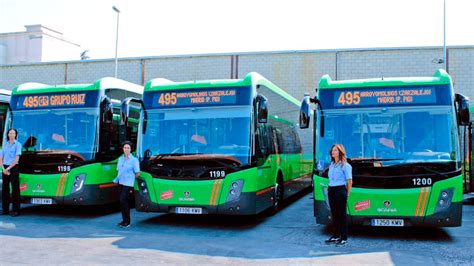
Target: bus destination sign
x=55, y=100
x=195, y=98
x=388, y=96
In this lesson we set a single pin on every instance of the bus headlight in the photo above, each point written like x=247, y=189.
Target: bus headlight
x=444, y=199
x=235, y=190
x=142, y=186
x=78, y=183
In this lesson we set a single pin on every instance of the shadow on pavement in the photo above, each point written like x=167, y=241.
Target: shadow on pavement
x=69, y=211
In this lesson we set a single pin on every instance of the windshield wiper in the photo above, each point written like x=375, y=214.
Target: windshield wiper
x=424, y=167
x=161, y=155
x=231, y=166
x=373, y=159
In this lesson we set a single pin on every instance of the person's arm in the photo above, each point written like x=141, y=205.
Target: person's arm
x=1, y=162
x=136, y=168
x=349, y=186
x=17, y=159
x=348, y=174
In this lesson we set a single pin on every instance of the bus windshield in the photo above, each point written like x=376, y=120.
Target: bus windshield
x=392, y=135
x=206, y=130
x=69, y=130
x=3, y=118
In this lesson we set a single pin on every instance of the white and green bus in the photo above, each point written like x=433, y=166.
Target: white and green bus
x=71, y=138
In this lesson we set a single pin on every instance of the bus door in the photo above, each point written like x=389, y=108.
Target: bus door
x=265, y=153
x=467, y=159
x=276, y=145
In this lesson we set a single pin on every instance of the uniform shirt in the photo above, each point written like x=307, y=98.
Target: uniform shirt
x=338, y=175
x=10, y=151
x=127, y=168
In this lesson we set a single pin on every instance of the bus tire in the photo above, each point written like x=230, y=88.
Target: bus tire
x=277, y=195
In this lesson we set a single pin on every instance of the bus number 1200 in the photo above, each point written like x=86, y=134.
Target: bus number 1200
x=421, y=181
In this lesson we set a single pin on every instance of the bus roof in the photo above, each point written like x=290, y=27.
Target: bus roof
x=101, y=84
x=5, y=96
x=5, y=92
x=440, y=77
x=250, y=79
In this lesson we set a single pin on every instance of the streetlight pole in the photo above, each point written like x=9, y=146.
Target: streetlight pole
x=116, y=38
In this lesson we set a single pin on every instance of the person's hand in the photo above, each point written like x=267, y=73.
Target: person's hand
x=6, y=172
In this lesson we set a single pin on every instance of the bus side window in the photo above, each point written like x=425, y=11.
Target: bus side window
x=296, y=141
x=262, y=149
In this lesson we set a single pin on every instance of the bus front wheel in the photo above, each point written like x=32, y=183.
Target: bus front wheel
x=277, y=196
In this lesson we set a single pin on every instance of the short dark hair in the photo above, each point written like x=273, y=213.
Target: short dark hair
x=129, y=143
x=16, y=132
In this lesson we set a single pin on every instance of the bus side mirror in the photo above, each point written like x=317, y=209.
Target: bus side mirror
x=262, y=109
x=107, y=110
x=305, y=112
x=147, y=154
x=463, y=109
x=125, y=112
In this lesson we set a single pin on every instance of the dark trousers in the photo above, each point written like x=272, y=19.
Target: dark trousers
x=14, y=180
x=125, y=196
x=338, y=203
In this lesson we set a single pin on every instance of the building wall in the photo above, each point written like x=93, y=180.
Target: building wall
x=36, y=44
x=295, y=71
x=21, y=48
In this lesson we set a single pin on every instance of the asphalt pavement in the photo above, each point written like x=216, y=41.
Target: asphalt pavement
x=65, y=234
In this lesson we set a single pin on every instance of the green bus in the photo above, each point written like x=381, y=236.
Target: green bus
x=220, y=147
x=402, y=140
x=4, y=107
x=71, y=138
x=467, y=140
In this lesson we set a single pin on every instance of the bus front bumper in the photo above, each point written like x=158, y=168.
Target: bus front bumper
x=89, y=195
x=245, y=205
x=451, y=217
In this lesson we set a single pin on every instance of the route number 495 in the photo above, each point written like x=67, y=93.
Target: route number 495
x=349, y=98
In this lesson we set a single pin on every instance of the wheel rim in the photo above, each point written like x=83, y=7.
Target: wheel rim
x=276, y=202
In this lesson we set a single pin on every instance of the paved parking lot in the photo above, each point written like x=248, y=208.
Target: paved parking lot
x=61, y=234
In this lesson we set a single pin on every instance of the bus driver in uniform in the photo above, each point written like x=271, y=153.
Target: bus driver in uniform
x=9, y=158
x=340, y=184
x=128, y=169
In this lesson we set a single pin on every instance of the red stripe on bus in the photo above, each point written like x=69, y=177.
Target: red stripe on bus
x=63, y=183
x=419, y=201
x=217, y=191
x=108, y=185
x=265, y=190
x=212, y=194
x=424, y=200
x=59, y=185
x=298, y=179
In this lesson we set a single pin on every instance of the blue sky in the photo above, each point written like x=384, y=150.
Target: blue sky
x=161, y=27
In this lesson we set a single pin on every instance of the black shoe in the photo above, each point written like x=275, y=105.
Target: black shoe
x=5, y=213
x=332, y=240
x=125, y=225
x=341, y=242
x=14, y=214
x=121, y=223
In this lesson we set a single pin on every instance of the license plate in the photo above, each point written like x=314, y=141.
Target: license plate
x=187, y=210
x=387, y=222
x=41, y=201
